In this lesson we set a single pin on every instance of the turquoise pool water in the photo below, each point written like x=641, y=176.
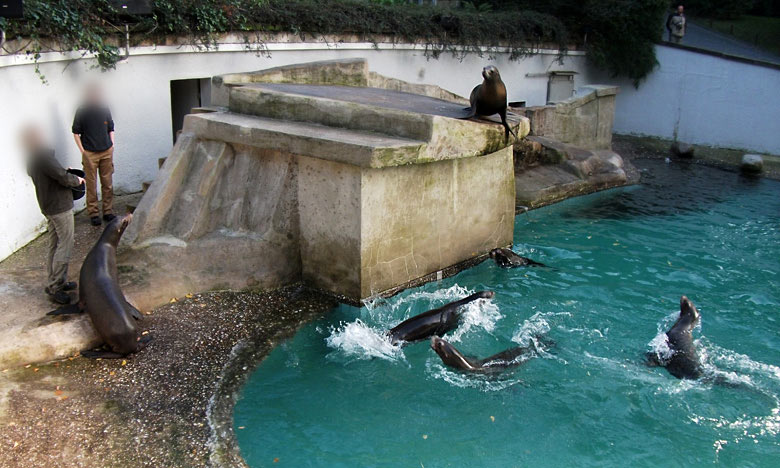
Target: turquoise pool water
x=338, y=395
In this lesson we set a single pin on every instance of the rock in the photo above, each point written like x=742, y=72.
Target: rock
x=752, y=163
x=682, y=150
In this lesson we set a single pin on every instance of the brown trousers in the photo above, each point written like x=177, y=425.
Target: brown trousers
x=104, y=163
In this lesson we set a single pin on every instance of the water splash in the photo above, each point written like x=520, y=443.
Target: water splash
x=359, y=341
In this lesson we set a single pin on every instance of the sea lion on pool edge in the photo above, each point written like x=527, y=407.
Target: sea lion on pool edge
x=434, y=322
x=506, y=258
x=112, y=316
x=489, y=98
x=451, y=357
x=684, y=361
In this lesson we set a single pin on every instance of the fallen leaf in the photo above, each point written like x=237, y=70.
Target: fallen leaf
x=35, y=370
x=28, y=366
x=16, y=444
x=670, y=263
x=63, y=397
x=145, y=332
x=276, y=460
x=493, y=419
x=173, y=299
x=425, y=436
x=124, y=362
x=111, y=373
x=58, y=392
x=188, y=295
x=242, y=427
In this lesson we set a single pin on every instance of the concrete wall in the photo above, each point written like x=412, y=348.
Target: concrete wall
x=139, y=94
x=703, y=99
x=584, y=120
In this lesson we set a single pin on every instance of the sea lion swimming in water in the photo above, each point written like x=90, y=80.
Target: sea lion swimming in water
x=489, y=98
x=683, y=362
x=112, y=316
x=506, y=258
x=508, y=359
x=434, y=322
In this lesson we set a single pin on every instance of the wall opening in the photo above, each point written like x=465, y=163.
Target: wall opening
x=186, y=95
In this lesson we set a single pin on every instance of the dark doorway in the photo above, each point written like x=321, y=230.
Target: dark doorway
x=186, y=95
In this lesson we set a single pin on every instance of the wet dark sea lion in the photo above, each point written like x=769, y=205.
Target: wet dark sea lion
x=434, y=322
x=508, y=359
x=112, y=316
x=684, y=361
x=489, y=98
x=506, y=258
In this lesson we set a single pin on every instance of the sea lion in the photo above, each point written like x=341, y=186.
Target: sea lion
x=506, y=258
x=683, y=362
x=510, y=358
x=489, y=98
x=434, y=322
x=112, y=316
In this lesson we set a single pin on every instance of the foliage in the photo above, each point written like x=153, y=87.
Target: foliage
x=622, y=35
x=620, y=32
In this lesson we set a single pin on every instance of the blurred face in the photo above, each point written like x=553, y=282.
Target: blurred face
x=93, y=94
x=32, y=138
x=680, y=9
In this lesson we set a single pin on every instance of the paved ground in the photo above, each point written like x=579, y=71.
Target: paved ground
x=26, y=334
x=704, y=38
x=168, y=406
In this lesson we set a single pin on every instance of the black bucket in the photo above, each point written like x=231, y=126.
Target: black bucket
x=79, y=191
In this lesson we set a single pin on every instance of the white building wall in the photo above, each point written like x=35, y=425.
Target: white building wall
x=703, y=99
x=139, y=96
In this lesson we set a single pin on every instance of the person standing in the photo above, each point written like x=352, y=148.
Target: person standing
x=676, y=24
x=93, y=130
x=53, y=190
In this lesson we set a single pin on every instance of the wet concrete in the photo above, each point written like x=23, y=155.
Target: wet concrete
x=152, y=409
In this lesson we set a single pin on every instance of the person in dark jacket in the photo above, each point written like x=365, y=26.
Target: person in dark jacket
x=53, y=189
x=93, y=130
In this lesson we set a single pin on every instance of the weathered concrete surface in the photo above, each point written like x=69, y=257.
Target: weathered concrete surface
x=584, y=120
x=171, y=405
x=354, y=190
x=219, y=215
x=548, y=171
x=27, y=335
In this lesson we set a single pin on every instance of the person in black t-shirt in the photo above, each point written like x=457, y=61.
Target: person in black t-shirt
x=93, y=130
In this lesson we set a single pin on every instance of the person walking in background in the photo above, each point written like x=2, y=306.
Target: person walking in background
x=53, y=190
x=676, y=24
x=93, y=130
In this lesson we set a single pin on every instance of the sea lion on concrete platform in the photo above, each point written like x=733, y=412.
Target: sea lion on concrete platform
x=506, y=258
x=434, y=322
x=112, y=316
x=510, y=358
x=683, y=362
x=489, y=98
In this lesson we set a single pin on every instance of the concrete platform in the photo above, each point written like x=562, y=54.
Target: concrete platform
x=27, y=335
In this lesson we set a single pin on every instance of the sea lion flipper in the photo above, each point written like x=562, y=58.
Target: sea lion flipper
x=100, y=354
x=135, y=313
x=66, y=310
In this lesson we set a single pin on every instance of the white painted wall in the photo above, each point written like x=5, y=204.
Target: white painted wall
x=139, y=95
x=703, y=100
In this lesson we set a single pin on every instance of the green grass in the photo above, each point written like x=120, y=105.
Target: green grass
x=762, y=31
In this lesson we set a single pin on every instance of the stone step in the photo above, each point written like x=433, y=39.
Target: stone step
x=374, y=110
x=160, y=162
x=359, y=148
